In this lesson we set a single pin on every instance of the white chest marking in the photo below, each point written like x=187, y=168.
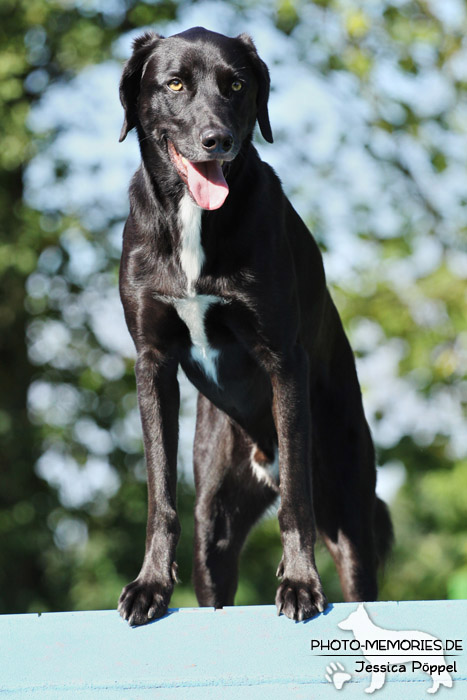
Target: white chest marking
x=191, y=251
x=192, y=311
x=193, y=308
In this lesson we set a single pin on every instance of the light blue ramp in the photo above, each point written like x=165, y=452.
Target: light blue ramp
x=244, y=653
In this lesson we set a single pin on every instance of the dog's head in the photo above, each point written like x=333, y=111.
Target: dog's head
x=197, y=95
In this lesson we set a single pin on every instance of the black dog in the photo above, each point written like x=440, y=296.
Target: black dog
x=220, y=275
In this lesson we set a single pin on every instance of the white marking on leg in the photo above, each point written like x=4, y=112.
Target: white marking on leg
x=266, y=473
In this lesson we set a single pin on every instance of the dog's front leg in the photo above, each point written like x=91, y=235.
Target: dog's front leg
x=300, y=594
x=158, y=395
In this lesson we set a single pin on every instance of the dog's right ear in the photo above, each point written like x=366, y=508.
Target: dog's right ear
x=131, y=79
x=263, y=80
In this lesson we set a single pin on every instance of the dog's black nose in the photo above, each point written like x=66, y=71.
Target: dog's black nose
x=217, y=141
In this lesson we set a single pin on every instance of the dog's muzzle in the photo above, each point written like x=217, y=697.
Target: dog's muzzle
x=205, y=179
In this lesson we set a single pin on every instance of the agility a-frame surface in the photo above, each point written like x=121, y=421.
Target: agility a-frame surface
x=236, y=653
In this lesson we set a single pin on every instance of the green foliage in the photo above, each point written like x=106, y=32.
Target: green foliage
x=42, y=42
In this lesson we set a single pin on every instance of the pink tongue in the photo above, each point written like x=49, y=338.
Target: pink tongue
x=207, y=184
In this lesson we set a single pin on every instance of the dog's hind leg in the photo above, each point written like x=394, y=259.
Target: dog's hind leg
x=357, y=530
x=354, y=523
x=229, y=500
x=355, y=565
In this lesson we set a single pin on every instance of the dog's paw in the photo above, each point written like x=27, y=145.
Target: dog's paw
x=299, y=600
x=142, y=601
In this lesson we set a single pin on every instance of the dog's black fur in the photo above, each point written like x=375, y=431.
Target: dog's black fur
x=285, y=372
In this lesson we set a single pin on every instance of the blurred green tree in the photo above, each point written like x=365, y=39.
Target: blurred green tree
x=42, y=43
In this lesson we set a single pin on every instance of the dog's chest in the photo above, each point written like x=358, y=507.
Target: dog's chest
x=193, y=308
x=192, y=311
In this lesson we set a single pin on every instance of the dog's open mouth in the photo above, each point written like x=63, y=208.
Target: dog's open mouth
x=205, y=180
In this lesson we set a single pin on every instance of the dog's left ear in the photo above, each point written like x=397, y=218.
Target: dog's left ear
x=262, y=77
x=131, y=79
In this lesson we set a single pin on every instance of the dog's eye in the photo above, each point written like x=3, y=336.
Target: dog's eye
x=175, y=84
x=237, y=85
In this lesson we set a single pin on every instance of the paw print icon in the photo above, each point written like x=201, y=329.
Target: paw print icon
x=337, y=675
